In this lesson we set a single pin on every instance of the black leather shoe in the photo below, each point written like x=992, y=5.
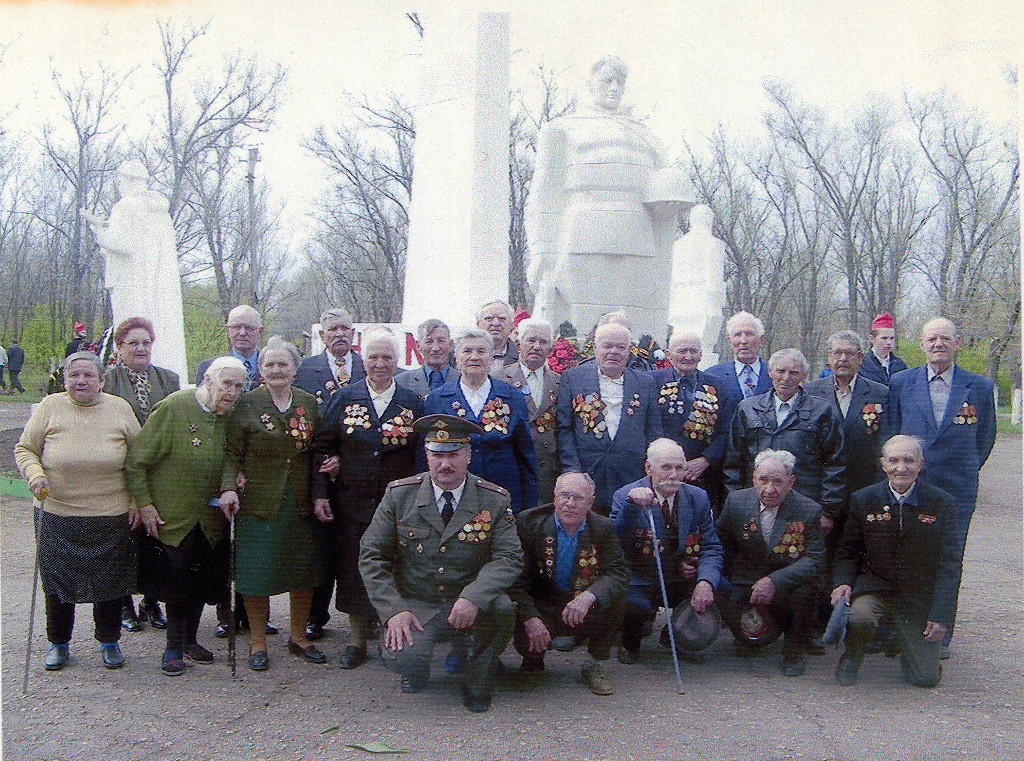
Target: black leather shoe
x=846, y=670
x=129, y=620
x=153, y=614
x=221, y=631
x=353, y=657
x=815, y=647
x=112, y=657
x=311, y=653
x=474, y=702
x=628, y=657
x=794, y=665
x=314, y=631
x=412, y=683
x=531, y=664
x=259, y=661
x=271, y=629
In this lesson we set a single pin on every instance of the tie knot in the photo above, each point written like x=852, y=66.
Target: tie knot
x=447, y=496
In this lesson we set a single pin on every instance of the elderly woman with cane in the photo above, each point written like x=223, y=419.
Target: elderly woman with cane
x=72, y=454
x=269, y=439
x=139, y=382
x=174, y=469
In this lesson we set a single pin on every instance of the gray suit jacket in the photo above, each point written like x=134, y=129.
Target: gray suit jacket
x=543, y=426
x=416, y=380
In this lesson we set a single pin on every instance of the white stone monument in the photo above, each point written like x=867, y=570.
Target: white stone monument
x=698, y=283
x=599, y=241
x=459, y=218
x=141, y=272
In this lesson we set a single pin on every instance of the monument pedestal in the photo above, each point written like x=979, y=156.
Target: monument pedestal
x=459, y=217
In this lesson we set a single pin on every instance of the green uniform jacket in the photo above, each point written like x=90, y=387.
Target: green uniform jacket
x=175, y=465
x=272, y=449
x=410, y=560
x=600, y=566
x=162, y=383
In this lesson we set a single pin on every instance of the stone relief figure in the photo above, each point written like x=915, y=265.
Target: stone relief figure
x=596, y=244
x=141, y=266
x=698, y=282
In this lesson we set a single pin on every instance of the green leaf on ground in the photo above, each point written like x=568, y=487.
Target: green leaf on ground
x=376, y=747
x=330, y=729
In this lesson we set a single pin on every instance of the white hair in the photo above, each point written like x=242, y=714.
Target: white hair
x=276, y=343
x=381, y=335
x=902, y=438
x=779, y=456
x=611, y=326
x=470, y=333
x=244, y=310
x=662, y=447
x=794, y=354
x=732, y=322
x=217, y=368
x=535, y=323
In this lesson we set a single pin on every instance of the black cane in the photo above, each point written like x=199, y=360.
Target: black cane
x=231, y=598
x=664, y=598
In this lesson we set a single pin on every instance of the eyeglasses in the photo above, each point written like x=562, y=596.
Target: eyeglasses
x=241, y=327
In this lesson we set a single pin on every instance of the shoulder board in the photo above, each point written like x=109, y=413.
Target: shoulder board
x=491, y=487
x=410, y=481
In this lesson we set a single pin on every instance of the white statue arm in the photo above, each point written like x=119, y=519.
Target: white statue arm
x=545, y=205
x=113, y=235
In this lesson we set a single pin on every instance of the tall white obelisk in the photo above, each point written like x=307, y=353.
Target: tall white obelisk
x=459, y=217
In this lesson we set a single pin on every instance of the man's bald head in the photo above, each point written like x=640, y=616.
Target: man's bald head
x=939, y=342
x=611, y=348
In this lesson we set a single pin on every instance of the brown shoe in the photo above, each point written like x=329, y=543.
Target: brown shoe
x=595, y=679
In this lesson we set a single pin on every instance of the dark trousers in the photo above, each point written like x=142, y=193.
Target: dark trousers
x=919, y=659
x=182, y=624
x=328, y=536
x=490, y=634
x=963, y=524
x=642, y=604
x=60, y=620
x=3, y=383
x=794, y=611
x=15, y=383
x=599, y=630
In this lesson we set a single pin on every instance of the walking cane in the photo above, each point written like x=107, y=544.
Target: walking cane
x=664, y=598
x=231, y=600
x=35, y=586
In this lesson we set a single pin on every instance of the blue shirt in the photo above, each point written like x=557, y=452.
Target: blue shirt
x=566, y=551
x=251, y=364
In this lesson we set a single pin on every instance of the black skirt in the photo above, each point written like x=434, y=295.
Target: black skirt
x=86, y=559
x=189, y=573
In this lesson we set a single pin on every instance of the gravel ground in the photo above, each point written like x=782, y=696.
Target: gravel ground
x=733, y=710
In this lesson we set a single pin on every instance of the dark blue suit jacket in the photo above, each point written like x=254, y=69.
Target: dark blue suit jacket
x=673, y=417
x=507, y=459
x=315, y=376
x=610, y=462
x=727, y=372
x=872, y=369
x=693, y=513
x=955, y=450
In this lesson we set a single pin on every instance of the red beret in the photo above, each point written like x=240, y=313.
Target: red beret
x=884, y=320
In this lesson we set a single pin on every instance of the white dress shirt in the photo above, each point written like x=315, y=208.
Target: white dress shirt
x=477, y=399
x=845, y=397
x=382, y=400
x=535, y=382
x=755, y=369
x=768, y=516
x=781, y=413
x=611, y=395
x=456, y=494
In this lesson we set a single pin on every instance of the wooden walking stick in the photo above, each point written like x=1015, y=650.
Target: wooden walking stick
x=35, y=587
x=231, y=601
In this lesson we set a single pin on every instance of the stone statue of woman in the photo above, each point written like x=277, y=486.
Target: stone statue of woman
x=141, y=272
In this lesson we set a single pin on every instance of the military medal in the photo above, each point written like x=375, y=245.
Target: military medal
x=196, y=442
x=193, y=428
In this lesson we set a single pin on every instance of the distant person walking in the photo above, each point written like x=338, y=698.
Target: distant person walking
x=15, y=361
x=79, y=342
x=3, y=364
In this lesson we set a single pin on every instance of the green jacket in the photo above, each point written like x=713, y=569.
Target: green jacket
x=272, y=449
x=162, y=382
x=600, y=565
x=410, y=560
x=175, y=464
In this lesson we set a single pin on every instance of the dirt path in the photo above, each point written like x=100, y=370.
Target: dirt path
x=732, y=710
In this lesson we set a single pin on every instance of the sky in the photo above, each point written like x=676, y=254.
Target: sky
x=693, y=65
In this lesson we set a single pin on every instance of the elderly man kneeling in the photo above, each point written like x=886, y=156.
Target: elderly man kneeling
x=573, y=580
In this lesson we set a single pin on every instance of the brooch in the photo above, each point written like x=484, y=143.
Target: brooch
x=356, y=416
x=589, y=408
x=495, y=415
x=967, y=415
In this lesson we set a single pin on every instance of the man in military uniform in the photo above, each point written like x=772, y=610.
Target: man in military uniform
x=573, y=581
x=438, y=557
